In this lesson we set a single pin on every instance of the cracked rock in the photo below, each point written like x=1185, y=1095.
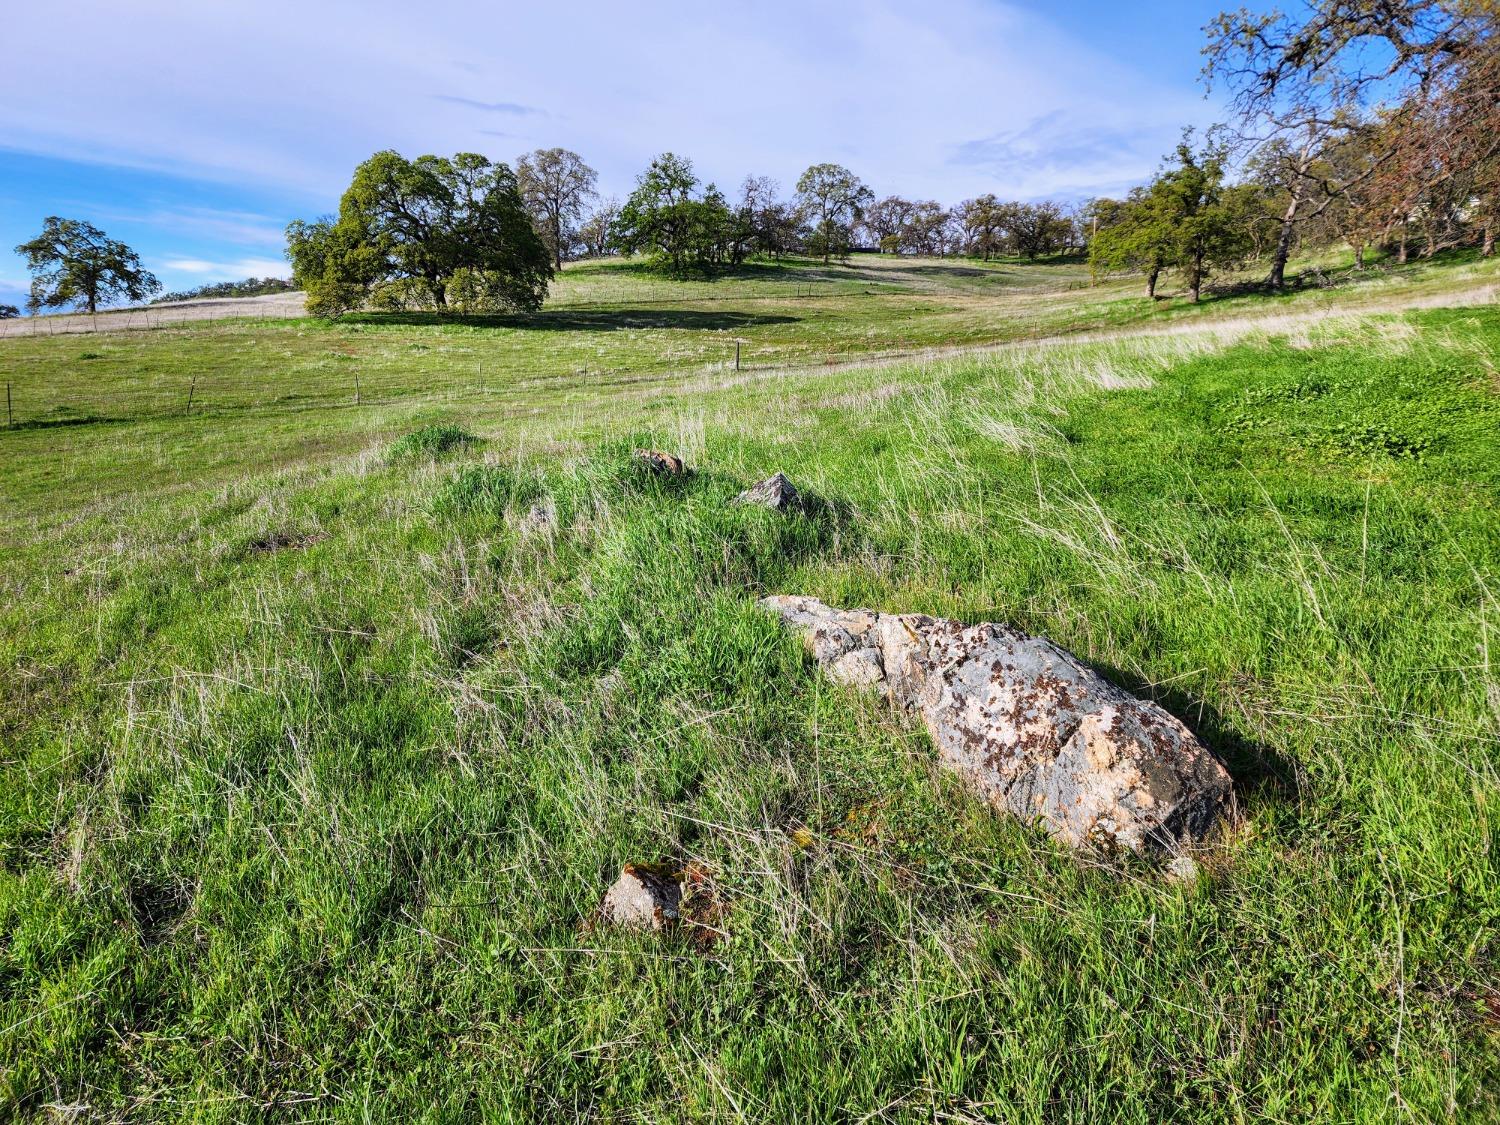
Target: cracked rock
x=1027, y=725
x=776, y=493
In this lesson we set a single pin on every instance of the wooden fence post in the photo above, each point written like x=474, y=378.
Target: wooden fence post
x=9, y=421
x=356, y=388
x=193, y=386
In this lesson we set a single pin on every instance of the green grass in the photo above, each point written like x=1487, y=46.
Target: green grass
x=319, y=754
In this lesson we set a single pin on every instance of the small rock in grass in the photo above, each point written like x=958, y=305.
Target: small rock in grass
x=1183, y=871
x=662, y=464
x=643, y=898
x=776, y=493
x=539, y=517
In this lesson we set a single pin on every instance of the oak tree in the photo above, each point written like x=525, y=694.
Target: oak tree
x=556, y=185
x=75, y=263
x=434, y=232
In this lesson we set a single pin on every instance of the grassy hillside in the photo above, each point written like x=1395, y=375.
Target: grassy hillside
x=319, y=751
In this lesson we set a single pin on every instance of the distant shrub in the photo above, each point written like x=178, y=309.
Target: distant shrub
x=250, y=287
x=428, y=443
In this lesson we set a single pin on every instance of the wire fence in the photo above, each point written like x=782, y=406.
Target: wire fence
x=66, y=396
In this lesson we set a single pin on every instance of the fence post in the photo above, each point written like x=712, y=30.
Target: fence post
x=193, y=386
x=356, y=388
x=736, y=355
x=9, y=421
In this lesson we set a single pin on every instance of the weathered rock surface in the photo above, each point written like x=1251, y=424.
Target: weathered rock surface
x=776, y=493
x=662, y=464
x=1028, y=726
x=641, y=899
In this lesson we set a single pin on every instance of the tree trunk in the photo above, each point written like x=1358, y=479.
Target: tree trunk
x=1489, y=238
x=1277, y=278
x=1359, y=256
x=1401, y=245
x=1195, y=280
x=1151, y=277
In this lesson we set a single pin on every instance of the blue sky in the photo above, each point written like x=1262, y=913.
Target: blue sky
x=195, y=132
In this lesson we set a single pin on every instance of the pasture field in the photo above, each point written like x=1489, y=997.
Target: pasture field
x=319, y=747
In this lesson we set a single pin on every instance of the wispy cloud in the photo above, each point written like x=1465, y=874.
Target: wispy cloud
x=243, y=227
x=939, y=100
x=229, y=271
x=1057, y=153
x=514, y=108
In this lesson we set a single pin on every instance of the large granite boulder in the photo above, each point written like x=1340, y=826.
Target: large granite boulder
x=1028, y=726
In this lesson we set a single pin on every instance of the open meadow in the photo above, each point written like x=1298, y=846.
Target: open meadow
x=330, y=707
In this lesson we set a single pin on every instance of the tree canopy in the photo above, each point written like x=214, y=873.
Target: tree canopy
x=835, y=199
x=434, y=232
x=556, y=186
x=1187, y=219
x=1416, y=83
x=74, y=263
x=683, y=228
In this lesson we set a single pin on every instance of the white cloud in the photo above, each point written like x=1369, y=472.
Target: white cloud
x=244, y=228
x=228, y=271
x=944, y=99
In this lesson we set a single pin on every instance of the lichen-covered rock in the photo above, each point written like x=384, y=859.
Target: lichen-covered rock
x=1027, y=725
x=643, y=898
x=776, y=493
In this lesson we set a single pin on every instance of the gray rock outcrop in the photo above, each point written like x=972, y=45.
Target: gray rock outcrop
x=1028, y=726
x=776, y=493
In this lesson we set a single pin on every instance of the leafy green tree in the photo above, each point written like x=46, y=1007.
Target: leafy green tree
x=75, y=263
x=1035, y=229
x=835, y=199
x=1135, y=234
x=1210, y=220
x=983, y=222
x=683, y=230
x=1186, y=219
x=9, y=312
x=433, y=232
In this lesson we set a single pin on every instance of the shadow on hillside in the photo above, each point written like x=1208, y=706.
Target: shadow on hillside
x=953, y=271
x=583, y=320
x=55, y=423
x=1303, y=278
x=1259, y=772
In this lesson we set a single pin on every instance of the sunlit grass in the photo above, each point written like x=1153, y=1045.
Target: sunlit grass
x=321, y=743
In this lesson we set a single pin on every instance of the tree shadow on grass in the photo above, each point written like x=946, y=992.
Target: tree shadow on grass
x=583, y=320
x=54, y=423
